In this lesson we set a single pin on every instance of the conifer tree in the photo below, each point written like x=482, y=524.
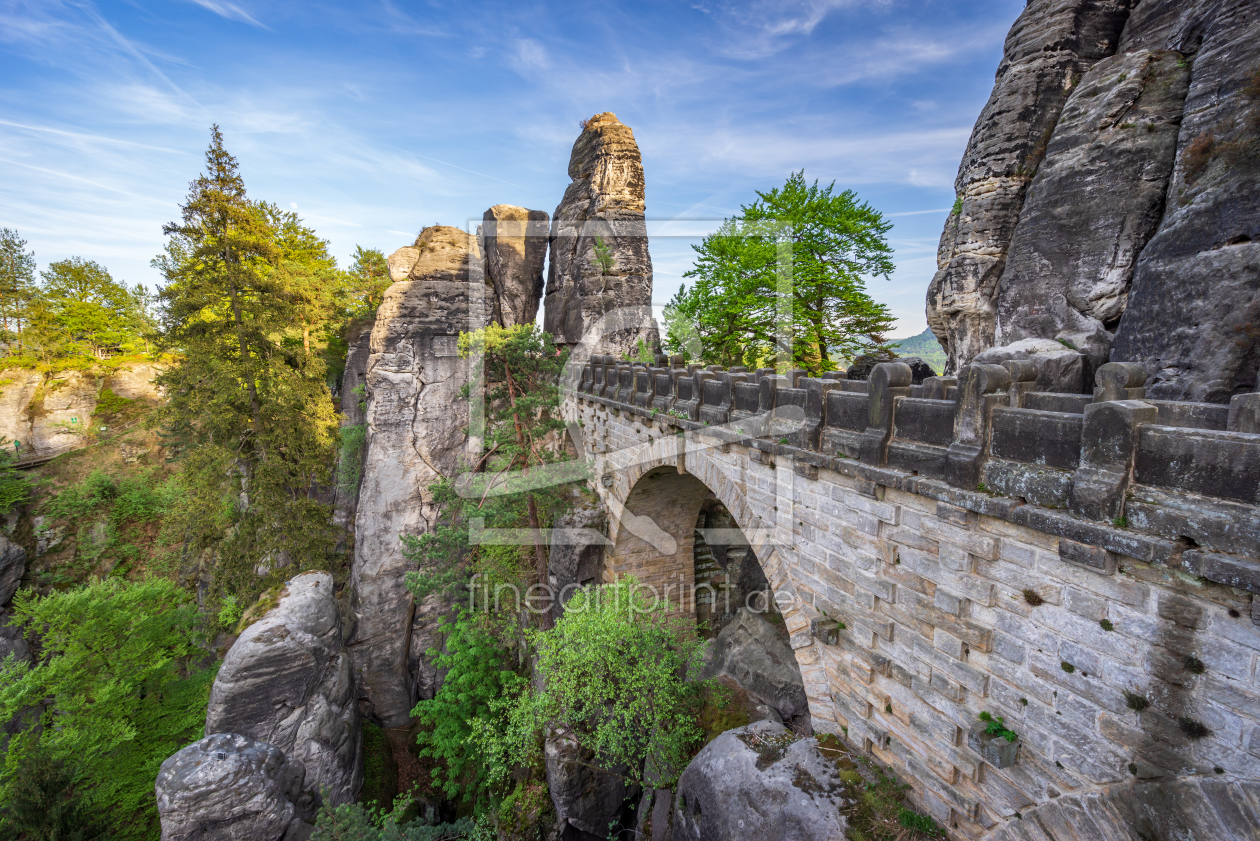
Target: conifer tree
x=17, y=277
x=251, y=414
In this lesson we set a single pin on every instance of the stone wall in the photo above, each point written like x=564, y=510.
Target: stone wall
x=1120, y=646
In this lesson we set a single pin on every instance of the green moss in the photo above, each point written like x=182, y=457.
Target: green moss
x=380, y=770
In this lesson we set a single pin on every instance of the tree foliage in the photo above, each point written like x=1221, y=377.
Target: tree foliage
x=786, y=277
x=248, y=406
x=113, y=692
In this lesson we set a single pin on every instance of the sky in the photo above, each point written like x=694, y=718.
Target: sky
x=375, y=119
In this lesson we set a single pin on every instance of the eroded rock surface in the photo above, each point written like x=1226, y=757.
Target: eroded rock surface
x=576, y=555
x=587, y=801
x=599, y=279
x=1059, y=368
x=69, y=401
x=416, y=433
x=514, y=241
x=229, y=787
x=1093, y=205
x=12, y=567
x=755, y=653
x=286, y=681
x=1052, y=44
x=1195, y=302
x=759, y=783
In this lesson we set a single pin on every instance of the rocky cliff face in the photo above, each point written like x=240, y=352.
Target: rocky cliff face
x=286, y=682
x=416, y=433
x=599, y=281
x=514, y=241
x=1109, y=195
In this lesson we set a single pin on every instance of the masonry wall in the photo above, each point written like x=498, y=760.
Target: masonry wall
x=915, y=605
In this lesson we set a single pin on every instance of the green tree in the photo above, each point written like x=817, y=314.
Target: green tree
x=305, y=273
x=112, y=691
x=787, y=276
x=17, y=279
x=521, y=365
x=369, y=278
x=614, y=677
x=86, y=302
x=250, y=412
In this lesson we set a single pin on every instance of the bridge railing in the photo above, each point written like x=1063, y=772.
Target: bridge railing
x=1188, y=472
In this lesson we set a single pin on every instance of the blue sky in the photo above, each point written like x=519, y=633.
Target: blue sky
x=374, y=119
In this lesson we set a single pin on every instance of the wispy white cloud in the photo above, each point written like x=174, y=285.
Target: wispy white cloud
x=231, y=11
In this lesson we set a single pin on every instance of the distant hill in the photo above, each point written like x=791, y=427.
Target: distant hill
x=924, y=346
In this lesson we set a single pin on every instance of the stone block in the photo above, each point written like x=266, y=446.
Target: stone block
x=1244, y=414
x=1230, y=570
x=1108, y=444
x=1093, y=557
x=995, y=750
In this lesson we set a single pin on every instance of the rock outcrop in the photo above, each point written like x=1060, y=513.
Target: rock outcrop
x=759, y=783
x=416, y=433
x=1195, y=304
x=1093, y=205
x=12, y=567
x=576, y=555
x=286, y=681
x=353, y=394
x=1059, y=367
x=229, y=787
x=514, y=241
x=755, y=653
x=44, y=412
x=588, y=802
x=1110, y=196
x=599, y=279
x=69, y=399
x=1052, y=44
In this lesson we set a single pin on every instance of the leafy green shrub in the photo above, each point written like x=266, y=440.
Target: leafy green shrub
x=109, y=403
x=15, y=487
x=994, y=725
x=116, y=693
x=354, y=822
x=350, y=457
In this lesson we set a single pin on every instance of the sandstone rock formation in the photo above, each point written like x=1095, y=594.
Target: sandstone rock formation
x=755, y=653
x=1051, y=45
x=416, y=433
x=286, y=681
x=1093, y=205
x=69, y=401
x=229, y=787
x=12, y=567
x=52, y=411
x=514, y=241
x=1135, y=127
x=599, y=279
x=576, y=555
x=1195, y=304
x=1059, y=368
x=353, y=394
x=587, y=801
x=15, y=400
x=136, y=382
x=759, y=783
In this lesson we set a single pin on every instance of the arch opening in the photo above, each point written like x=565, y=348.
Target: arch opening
x=682, y=543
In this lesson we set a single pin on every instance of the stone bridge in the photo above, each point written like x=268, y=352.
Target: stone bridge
x=1081, y=565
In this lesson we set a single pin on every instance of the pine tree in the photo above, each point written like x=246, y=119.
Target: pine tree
x=17, y=278
x=251, y=413
x=88, y=304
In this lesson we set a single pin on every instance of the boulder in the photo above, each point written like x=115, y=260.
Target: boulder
x=514, y=241
x=417, y=423
x=229, y=787
x=599, y=278
x=587, y=801
x=286, y=681
x=12, y=567
x=1093, y=205
x=1195, y=300
x=1048, y=49
x=755, y=653
x=759, y=783
x=1059, y=367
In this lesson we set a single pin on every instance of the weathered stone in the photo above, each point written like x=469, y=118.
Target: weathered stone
x=576, y=557
x=286, y=681
x=136, y=383
x=599, y=277
x=759, y=783
x=229, y=787
x=416, y=433
x=1060, y=369
x=353, y=414
x=756, y=655
x=588, y=802
x=69, y=401
x=1095, y=201
x=12, y=567
x=861, y=367
x=15, y=400
x=1047, y=51
x=1195, y=299
x=515, y=247
x=995, y=750
x=1108, y=443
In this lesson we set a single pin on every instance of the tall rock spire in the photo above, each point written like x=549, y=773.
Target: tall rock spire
x=599, y=282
